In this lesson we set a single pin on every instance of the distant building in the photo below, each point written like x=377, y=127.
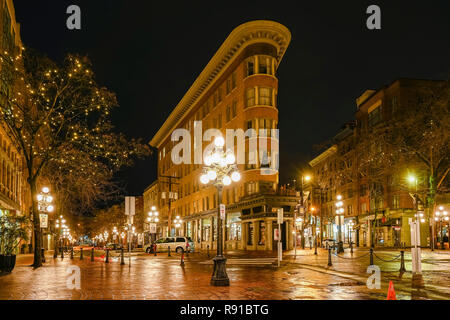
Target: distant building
x=379, y=209
x=236, y=90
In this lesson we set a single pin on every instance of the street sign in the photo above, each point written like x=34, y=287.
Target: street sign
x=130, y=219
x=43, y=220
x=222, y=211
x=152, y=227
x=280, y=215
x=130, y=206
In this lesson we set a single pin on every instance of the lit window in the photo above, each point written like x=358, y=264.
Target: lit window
x=250, y=67
x=250, y=97
x=265, y=64
x=265, y=96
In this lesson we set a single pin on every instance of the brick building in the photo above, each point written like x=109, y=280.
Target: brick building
x=379, y=207
x=236, y=90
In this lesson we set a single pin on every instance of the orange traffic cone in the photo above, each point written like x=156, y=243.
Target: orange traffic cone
x=391, y=292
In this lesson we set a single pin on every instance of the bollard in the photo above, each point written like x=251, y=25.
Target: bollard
x=207, y=250
x=107, y=255
x=402, y=261
x=92, y=254
x=154, y=246
x=351, y=247
x=43, y=254
x=315, y=246
x=182, y=259
x=329, y=257
x=371, y=256
x=81, y=253
x=71, y=253
x=168, y=252
x=310, y=244
x=122, y=258
x=62, y=253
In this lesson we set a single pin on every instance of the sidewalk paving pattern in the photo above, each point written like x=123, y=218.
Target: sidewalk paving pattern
x=253, y=275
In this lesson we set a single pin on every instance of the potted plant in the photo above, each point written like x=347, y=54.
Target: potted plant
x=13, y=229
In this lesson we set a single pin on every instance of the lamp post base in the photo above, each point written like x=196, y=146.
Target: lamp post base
x=220, y=277
x=340, y=247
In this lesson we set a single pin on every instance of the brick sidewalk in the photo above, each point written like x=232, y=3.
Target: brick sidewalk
x=162, y=277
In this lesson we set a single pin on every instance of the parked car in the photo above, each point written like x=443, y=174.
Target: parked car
x=178, y=244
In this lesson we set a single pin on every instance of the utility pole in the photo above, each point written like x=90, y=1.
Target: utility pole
x=170, y=196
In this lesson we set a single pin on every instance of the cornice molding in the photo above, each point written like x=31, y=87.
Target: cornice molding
x=258, y=31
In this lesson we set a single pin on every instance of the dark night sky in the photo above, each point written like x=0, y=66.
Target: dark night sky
x=150, y=52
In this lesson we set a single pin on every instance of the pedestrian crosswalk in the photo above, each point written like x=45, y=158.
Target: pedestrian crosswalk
x=250, y=261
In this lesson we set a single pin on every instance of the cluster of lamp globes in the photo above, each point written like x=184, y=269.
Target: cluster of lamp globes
x=177, y=222
x=133, y=230
x=153, y=215
x=220, y=166
x=65, y=229
x=339, y=204
x=45, y=200
x=441, y=214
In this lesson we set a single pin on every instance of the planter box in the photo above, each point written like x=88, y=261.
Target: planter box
x=7, y=263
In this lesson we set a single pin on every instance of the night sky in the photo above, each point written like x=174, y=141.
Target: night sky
x=150, y=52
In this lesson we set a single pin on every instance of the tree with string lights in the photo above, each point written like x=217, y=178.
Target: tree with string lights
x=59, y=117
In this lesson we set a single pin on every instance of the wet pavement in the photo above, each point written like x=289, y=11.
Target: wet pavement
x=306, y=276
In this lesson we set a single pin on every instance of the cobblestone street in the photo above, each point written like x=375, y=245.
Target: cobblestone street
x=161, y=277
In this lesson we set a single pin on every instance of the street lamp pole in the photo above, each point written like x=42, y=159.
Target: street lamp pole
x=339, y=212
x=221, y=171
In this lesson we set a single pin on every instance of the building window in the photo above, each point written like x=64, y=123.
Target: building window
x=394, y=104
x=374, y=116
x=220, y=120
x=363, y=207
x=219, y=93
x=228, y=86
x=265, y=96
x=233, y=80
x=234, y=109
x=250, y=67
x=250, y=97
x=265, y=64
x=396, y=202
x=228, y=113
x=350, y=210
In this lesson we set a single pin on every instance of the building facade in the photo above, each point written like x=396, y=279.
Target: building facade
x=236, y=90
x=377, y=203
x=13, y=186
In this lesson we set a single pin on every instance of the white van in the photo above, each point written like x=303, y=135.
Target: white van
x=177, y=244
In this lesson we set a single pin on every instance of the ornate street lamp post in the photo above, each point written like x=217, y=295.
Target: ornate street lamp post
x=220, y=170
x=153, y=217
x=339, y=215
x=44, y=205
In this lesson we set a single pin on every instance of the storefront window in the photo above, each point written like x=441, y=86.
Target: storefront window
x=206, y=225
x=250, y=234
x=262, y=233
